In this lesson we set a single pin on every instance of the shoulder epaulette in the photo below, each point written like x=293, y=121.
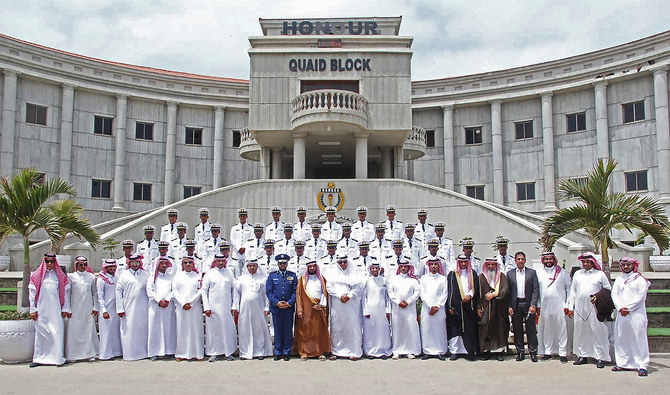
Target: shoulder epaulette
x=388, y=256
x=424, y=257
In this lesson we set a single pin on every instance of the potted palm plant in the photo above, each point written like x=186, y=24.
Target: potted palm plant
x=26, y=206
x=598, y=212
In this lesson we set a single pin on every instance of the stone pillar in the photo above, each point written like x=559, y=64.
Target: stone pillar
x=299, y=155
x=264, y=165
x=399, y=162
x=361, y=155
x=219, y=113
x=120, y=152
x=8, y=123
x=602, y=128
x=448, y=127
x=67, y=112
x=387, y=162
x=409, y=170
x=276, y=162
x=170, y=153
x=548, y=151
x=662, y=132
x=496, y=142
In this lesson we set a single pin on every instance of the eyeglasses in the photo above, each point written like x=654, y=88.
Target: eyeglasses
x=50, y=260
x=626, y=263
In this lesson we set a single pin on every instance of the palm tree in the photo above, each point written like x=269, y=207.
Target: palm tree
x=24, y=209
x=598, y=212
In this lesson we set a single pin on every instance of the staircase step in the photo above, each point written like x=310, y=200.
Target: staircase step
x=8, y=296
x=658, y=317
x=659, y=339
x=658, y=297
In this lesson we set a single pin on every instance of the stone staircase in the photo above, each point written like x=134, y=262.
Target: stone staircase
x=658, y=313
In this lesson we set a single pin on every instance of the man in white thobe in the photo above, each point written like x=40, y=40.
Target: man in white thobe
x=109, y=323
x=591, y=335
x=49, y=305
x=404, y=290
x=217, y=300
x=251, y=305
x=434, y=292
x=552, y=330
x=132, y=305
x=344, y=290
x=188, y=308
x=82, y=338
x=376, y=314
x=162, y=339
x=630, y=342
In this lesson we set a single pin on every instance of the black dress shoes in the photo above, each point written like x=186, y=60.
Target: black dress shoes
x=600, y=364
x=499, y=357
x=564, y=359
x=520, y=357
x=277, y=357
x=533, y=357
x=580, y=361
x=425, y=356
x=546, y=357
x=440, y=357
x=287, y=358
x=34, y=364
x=453, y=357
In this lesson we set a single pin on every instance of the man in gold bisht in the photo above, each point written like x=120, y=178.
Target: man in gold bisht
x=493, y=309
x=311, y=337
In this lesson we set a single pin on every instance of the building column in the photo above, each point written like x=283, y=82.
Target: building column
x=602, y=128
x=548, y=151
x=299, y=155
x=120, y=152
x=662, y=131
x=67, y=112
x=276, y=162
x=264, y=165
x=361, y=155
x=219, y=113
x=496, y=142
x=387, y=162
x=170, y=153
x=399, y=163
x=448, y=128
x=8, y=123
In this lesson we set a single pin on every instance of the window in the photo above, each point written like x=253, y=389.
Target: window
x=191, y=191
x=102, y=125
x=41, y=177
x=524, y=130
x=36, y=115
x=633, y=112
x=473, y=135
x=430, y=138
x=193, y=136
x=142, y=192
x=100, y=189
x=636, y=181
x=237, y=138
x=576, y=122
x=144, y=131
x=525, y=191
x=475, y=191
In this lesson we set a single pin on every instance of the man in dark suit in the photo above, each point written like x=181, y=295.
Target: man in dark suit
x=524, y=290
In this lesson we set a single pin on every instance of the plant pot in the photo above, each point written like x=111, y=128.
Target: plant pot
x=660, y=263
x=17, y=341
x=4, y=263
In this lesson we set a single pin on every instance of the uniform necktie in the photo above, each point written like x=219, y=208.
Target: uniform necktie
x=268, y=260
x=171, y=227
x=503, y=259
x=423, y=226
x=258, y=242
x=398, y=259
x=391, y=225
x=275, y=226
x=410, y=243
x=365, y=261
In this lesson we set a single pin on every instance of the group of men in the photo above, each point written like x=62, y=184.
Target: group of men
x=353, y=293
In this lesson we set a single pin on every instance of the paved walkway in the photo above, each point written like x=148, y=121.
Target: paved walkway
x=328, y=377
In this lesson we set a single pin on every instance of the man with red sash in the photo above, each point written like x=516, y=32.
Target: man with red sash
x=552, y=329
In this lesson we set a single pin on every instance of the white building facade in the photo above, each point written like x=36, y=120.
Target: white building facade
x=333, y=98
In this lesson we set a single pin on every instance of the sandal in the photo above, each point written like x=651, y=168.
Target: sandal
x=303, y=357
x=333, y=357
x=642, y=372
x=618, y=369
x=322, y=357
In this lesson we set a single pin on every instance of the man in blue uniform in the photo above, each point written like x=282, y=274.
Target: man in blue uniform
x=280, y=288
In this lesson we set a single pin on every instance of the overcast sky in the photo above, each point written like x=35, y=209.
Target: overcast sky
x=450, y=37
